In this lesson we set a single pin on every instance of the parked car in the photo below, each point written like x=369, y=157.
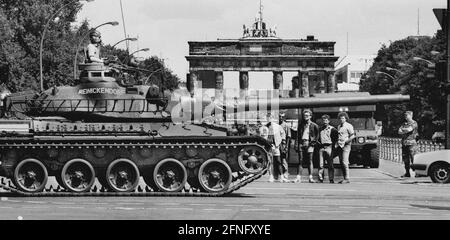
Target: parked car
x=436, y=165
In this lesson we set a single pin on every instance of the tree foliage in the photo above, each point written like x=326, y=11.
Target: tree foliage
x=413, y=77
x=21, y=26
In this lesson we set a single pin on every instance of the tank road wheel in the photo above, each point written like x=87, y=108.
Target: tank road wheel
x=122, y=175
x=170, y=175
x=78, y=175
x=252, y=159
x=214, y=175
x=30, y=176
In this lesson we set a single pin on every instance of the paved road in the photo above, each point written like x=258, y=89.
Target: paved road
x=372, y=194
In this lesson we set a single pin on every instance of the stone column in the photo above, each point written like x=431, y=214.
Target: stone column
x=296, y=87
x=243, y=84
x=278, y=82
x=304, y=83
x=331, y=82
x=322, y=83
x=219, y=84
x=192, y=82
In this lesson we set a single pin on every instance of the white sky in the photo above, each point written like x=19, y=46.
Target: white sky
x=165, y=26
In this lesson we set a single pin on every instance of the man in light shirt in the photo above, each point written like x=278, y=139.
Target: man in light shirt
x=276, y=137
x=327, y=138
x=344, y=145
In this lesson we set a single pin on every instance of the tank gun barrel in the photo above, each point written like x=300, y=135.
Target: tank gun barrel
x=193, y=108
x=292, y=103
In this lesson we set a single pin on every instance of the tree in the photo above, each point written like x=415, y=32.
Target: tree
x=415, y=79
x=23, y=22
x=21, y=26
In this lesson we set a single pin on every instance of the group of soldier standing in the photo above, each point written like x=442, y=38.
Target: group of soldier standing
x=327, y=140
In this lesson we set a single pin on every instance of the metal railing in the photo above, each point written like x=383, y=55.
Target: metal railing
x=391, y=148
x=85, y=105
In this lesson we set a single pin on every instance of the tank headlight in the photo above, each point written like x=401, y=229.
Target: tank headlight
x=361, y=140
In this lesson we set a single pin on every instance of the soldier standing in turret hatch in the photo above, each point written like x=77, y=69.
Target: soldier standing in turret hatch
x=93, y=49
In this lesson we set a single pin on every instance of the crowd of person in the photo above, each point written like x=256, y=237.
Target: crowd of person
x=328, y=141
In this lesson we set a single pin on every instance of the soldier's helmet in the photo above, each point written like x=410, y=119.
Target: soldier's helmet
x=95, y=33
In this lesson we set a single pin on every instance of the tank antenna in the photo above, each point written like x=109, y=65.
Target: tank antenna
x=124, y=28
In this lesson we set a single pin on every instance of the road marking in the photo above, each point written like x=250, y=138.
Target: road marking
x=275, y=205
x=69, y=207
x=167, y=204
x=309, y=189
x=334, y=211
x=202, y=204
x=125, y=208
x=314, y=206
x=62, y=203
x=375, y=212
x=236, y=205
x=352, y=207
x=35, y=207
x=98, y=203
x=255, y=210
x=293, y=210
x=130, y=203
x=216, y=209
x=6, y=207
x=416, y=213
x=36, y=202
x=393, y=208
x=188, y=209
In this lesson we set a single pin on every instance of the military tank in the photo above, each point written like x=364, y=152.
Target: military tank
x=101, y=136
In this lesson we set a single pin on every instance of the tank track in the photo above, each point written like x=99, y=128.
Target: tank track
x=54, y=190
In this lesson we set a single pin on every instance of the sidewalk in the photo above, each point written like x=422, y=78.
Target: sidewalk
x=390, y=168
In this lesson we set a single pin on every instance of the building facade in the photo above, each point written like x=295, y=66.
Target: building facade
x=349, y=70
x=260, y=50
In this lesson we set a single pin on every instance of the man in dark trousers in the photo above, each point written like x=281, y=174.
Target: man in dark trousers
x=308, y=134
x=409, y=133
x=327, y=139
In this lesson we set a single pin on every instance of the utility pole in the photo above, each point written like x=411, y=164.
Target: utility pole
x=443, y=17
x=418, y=22
x=447, y=33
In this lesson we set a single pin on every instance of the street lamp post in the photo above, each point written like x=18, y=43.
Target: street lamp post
x=41, y=48
x=114, y=23
x=430, y=64
x=387, y=74
x=126, y=39
x=131, y=54
x=394, y=69
x=405, y=65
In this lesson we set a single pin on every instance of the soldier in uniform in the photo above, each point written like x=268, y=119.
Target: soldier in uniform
x=93, y=49
x=409, y=133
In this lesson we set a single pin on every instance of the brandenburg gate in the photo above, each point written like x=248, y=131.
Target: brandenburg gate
x=259, y=50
